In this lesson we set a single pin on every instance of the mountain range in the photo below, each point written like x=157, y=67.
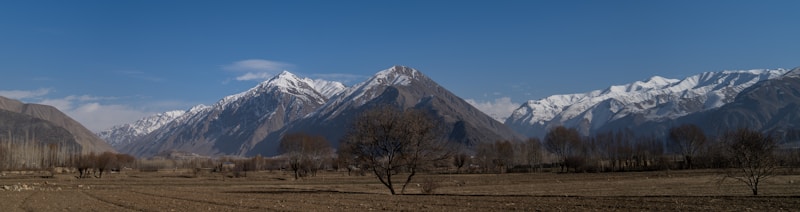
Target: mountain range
x=627, y=106
x=254, y=121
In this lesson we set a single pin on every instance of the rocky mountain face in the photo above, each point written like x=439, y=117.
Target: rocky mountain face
x=402, y=87
x=253, y=122
x=42, y=123
x=235, y=124
x=628, y=106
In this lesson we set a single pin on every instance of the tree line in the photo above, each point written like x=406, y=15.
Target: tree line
x=388, y=141
x=23, y=151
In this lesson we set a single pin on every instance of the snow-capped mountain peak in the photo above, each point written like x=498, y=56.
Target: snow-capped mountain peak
x=286, y=82
x=396, y=75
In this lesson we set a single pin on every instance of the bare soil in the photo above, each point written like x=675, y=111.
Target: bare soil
x=335, y=191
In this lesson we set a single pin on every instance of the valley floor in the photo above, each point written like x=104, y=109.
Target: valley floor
x=277, y=191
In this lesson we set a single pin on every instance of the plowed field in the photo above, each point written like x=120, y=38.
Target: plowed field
x=276, y=191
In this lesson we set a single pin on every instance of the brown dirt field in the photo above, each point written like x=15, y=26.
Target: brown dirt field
x=276, y=191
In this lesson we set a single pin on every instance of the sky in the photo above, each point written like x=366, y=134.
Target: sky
x=112, y=62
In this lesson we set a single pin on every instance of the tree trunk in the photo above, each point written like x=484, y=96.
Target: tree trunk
x=688, y=160
x=755, y=188
x=389, y=182
x=386, y=182
x=408, y=180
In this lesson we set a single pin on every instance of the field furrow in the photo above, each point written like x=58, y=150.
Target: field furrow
x=276, y=191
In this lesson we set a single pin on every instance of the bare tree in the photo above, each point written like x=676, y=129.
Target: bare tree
x=105, y=161
x=495, y=157
x=505, y=155
x=85, y=164
x=687, y=140
x=319, y=153
x=389, y=141
x=460, y=158
x=345, y=158
x=304, y=153
x=484, y=156
x=563, y=142
x=752, y=155
x=4, y=158
x=533, y=152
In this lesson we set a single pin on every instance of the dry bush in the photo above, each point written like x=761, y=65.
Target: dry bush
x=429, y=186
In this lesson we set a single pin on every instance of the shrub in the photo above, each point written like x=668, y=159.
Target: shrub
x=429, y=186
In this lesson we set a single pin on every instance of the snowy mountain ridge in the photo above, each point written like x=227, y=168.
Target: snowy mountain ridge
x=253, y=122
x=122, y=134
x=654, y=99
x=302, y=90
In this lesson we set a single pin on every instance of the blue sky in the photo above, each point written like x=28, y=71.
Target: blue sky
x=111, y=62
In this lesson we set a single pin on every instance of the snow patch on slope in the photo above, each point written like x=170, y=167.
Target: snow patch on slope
x=327, y=88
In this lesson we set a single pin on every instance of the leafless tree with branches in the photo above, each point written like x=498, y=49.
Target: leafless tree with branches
x=305, y=153
x=388, y=141
x=687, y=140
x=752, y=157
x=563, y=142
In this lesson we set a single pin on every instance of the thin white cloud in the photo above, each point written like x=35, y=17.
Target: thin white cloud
x=24, y=94
x=97, y=117
x=86, y=98
x=256, y=69
x=257, y=65
x=499, y=109
x=254, y=76
x=93, y=114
